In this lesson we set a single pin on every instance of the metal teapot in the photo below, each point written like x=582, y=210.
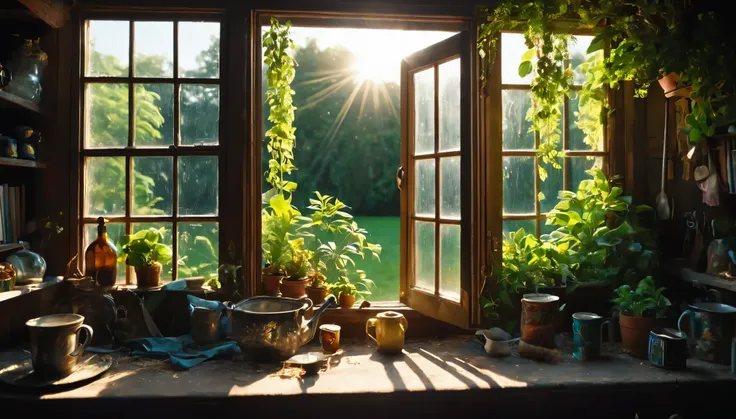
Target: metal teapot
x=274, y=327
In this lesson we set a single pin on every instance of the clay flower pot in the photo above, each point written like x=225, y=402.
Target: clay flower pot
x=294, y=288
x=346, y=301
x=317, y=295
x=148, y=276
x=668, y=82
x=635, y=335
x=272, y=285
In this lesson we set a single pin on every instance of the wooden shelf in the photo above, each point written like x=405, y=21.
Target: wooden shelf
x=688, y=275
x=31, y=164
x=13, y=100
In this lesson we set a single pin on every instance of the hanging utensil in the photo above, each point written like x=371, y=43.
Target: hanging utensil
x=664, y=210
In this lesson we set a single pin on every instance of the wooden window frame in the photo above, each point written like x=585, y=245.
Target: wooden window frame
x=79, y=82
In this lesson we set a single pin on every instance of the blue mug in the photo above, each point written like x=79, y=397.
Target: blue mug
x=587, y=336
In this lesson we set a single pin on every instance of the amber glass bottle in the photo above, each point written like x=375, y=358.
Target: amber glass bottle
x=100, y=258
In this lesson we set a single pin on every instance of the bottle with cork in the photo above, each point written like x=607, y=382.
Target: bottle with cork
x=101, y=259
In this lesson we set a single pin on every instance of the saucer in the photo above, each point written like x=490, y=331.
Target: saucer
x=20, y=374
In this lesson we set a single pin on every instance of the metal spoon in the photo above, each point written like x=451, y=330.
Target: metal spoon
x=663, y=203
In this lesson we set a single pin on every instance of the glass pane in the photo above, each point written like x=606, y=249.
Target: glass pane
x=450, y=261
x=106, y=111
x=166, y=267
x=198, y=248
x=198, y=182
x=108, y=48
x=518, y=185
x=516, y=134
x=152, y=185
x=424, y=112
x=200, y=114
x=551, y=186
x=424, y=198
x=576, y=168
x=424, y=256
x=529, y=226
x=154, y=49
x=154, y=115
x=114, y=232
x=578, y=48
x=104, y=182
x=588, y=117
x=449, y=98
x=450, y=187
x=512, y=48
x=546, y=229
x=199, y=49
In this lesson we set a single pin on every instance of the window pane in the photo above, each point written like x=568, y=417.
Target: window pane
x=450, y=261
x=546, y=229
x=578, y=48
x=529, y=226
x=516, y=134
x=424, y=259
x=512, y=48
x=424, y=112
x=518, y=185
x=450, y=187
x=154, y=49
x=588, y=117
x=108, y=48
x=114, y=232
x=551, y=186
x=425, y=188
x=199, y=49
x=106, y=114
x=200, y=114
x=198, y=249
x=576, y=169
x=166, y=267
x=104, y=182
x=198, y=182
x=449, y=103
x=154, y=115
x=152, y=185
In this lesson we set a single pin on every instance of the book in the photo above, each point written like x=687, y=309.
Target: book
x=729, y=174
x=11, y=213
x=2, y=214
x=6, y=214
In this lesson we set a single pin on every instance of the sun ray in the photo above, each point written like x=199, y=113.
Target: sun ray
x=324, y=78
x=366, y=87
x=387, y=96
x=323, y=94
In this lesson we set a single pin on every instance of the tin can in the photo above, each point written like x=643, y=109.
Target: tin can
x=538, y=319
x=668, y=348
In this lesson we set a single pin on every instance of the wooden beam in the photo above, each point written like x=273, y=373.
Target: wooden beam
x=53, y=12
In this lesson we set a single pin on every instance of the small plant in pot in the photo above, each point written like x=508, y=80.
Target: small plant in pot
x=318, y=287
x=638, y=309
x=293, y=286
x=280, y=221
x=145, y=252
x=347, y=288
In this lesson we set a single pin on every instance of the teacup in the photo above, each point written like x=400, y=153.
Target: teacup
x=587, y=336
x=56, y=346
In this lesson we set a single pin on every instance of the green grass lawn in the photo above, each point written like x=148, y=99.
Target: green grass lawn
x=384, y=231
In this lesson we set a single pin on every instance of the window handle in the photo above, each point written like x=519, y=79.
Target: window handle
x=399, y=176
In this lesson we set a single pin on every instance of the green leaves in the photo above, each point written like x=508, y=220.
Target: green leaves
x=645, y=300
x=525, y=68
x=143, y=248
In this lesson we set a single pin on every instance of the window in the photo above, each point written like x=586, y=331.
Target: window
x=151, y=137
x=526, y=198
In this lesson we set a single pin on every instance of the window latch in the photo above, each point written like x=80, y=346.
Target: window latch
x=399, y=176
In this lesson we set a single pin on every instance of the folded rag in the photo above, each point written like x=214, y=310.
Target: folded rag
x=181, y=351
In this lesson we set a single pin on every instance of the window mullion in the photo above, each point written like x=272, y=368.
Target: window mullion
x=175, y=174
x=537, y=185
x=437, y=190
x=128, y=202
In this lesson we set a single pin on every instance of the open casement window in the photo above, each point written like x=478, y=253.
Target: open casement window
x=435, y=181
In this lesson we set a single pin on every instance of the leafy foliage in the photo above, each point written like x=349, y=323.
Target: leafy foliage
x=526, y=263
x=645, y=300
x=144, y=248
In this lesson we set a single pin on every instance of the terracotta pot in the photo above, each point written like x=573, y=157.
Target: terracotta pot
x=539, y=315
x=346, y=301
x=148, y=276
x=272, y=285
x=294, y=288
x=317, y=295
x=668, y=83
x=635, y=335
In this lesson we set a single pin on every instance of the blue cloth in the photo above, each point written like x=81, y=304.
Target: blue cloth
x=175, y=286
x=181, y=351
x=225, y=326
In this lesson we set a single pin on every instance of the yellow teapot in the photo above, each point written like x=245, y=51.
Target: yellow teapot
x=389, y=330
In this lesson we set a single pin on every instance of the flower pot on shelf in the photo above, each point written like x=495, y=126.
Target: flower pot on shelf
x=317, y=295
x=148, y=276
x=346, y=301
x=635, y=335
x=294, y=288
x=669, y=82
x=272, y=285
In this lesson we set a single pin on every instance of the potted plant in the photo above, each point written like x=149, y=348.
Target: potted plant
x=638, y=309
x=145, y=252
x=293, y=285
x=280, y=222
x=318, y=287
x=345, y=291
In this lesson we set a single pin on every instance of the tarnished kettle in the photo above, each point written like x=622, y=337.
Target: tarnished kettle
x=274, y=327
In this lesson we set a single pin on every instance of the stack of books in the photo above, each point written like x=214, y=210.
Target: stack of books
x=12, y=212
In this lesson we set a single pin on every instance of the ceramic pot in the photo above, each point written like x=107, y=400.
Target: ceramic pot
x=272, y=285
x=148, y=276
x=635, y=334
x=668, y=83
x=710, y=329
x=539, y=319
x=294, y=288
x=346, y=301
x=317, y=295
x=389, y=330
x=667, y=348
